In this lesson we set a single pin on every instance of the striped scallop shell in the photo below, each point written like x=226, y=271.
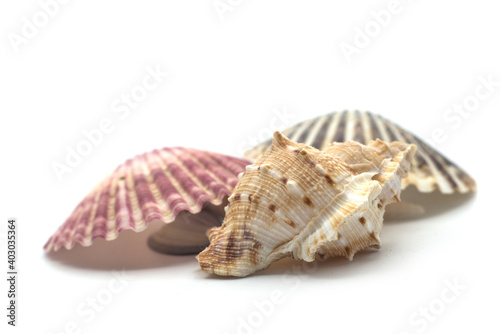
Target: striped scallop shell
x=430, y=170
x=307, y=204
x=153, y=186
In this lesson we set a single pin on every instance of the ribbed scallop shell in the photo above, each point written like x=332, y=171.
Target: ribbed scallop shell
x=430, y=170
x=301, y=202
x=153, y=186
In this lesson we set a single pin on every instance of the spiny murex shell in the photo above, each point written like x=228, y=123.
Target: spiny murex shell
x=157, y=185
x=429, y=170
x=301, y=202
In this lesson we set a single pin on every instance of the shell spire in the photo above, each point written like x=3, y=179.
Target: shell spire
x=307, y=204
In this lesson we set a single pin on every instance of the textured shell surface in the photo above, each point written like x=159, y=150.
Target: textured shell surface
x=307, y=204
x=429, y=170
x=157, y=185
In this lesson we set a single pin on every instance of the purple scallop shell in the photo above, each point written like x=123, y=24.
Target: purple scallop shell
x=157, y=185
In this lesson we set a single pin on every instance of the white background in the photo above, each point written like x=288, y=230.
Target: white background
x=226, y=76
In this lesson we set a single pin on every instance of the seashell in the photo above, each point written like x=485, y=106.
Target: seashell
x=158, y=185
x=307, y=204
x=429, y=170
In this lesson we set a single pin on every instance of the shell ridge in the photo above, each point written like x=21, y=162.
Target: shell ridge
x=330, y=132
x=198, y=192
x=325, y=220
x=448, y=166
x=224, y=174
x=315, y=128
x=320, y=132
x=300, y=129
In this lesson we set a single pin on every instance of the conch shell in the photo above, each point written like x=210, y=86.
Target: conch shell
x=300, y=202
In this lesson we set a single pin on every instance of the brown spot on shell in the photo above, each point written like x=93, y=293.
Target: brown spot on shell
x=347, y=250
x=362, y=220
x=308, y=158
x=238, y=245
x=373, y=235
x=231, y=243
x=329, y=179
x=246, y=233
x=251, y=245
x=237, y=197
x=254, y=199
x=307, y=201
x=297, y=151
x=284, y=180
x=272, y=207
x=380, y=206
x=291, y=223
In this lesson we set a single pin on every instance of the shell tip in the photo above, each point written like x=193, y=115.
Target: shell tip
x=279, y=139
